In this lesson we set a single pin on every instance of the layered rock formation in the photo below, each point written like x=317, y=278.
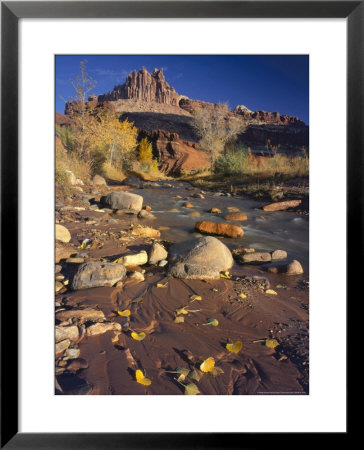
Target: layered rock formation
x=159, y=112
x=144, y=86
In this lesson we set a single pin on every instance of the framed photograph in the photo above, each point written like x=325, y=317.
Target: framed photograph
x=174, y=258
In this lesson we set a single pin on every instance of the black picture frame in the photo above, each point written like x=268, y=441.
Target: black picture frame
x=11, y=12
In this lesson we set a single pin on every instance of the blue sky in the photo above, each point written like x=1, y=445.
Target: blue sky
x=267, y=82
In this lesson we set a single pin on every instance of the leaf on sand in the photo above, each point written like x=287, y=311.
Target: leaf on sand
x=195, y=297
x=242, y=295
x=271, y=343
x=216, y=371
x=235, y=347
x=179, y=319
x=182, y=310
x=191, y=389
x=225, y=275
x=195, y=375
x=207, y=365
x=211, y=321
x=124, y=313
x=139, y=375
x=116, y=260
x=161, y=285
x=138, y=336
x=182, y=373
x=271, y=292
x=281, y=286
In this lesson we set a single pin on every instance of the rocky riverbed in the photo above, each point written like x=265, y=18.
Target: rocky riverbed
x=154, y=280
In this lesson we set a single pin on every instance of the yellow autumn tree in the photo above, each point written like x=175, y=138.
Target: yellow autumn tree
x=146, y=156
x=117, y=139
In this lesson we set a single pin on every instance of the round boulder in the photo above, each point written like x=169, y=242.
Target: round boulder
x=157, y=253
x=202, y=258
x=123, y=200
x=219, y=229
x=97, y=274
x=99, y=180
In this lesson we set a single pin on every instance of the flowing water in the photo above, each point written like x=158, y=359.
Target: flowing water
x=263, y=230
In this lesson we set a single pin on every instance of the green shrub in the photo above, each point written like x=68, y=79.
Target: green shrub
x=233, y=162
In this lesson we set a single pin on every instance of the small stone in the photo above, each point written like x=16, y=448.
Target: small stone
x=157, y=253
x=68, y=332
x=147, y=207
x=278, y=255
x=163, y=263
x=144, y=214
x=194, y=214
x=58, y=286
x=62, y=234
x=62, y=346
x=58, y=268
x=82, y=315
x=99, y=180
x=236, y=216
x=75, y=260
x=137, y=276
x=188, y=205
x=101, y=328
x=136, y=259
x=72, y=353
x=215, y=210
x=255, y=258
x=233, y=209
x=146, y=232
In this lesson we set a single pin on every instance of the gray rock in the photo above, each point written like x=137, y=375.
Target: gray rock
x=58, y=268
x=101, y=328
x=123, y=200
x=96, y=274
x=157, y=253
x=132, y=182
x=72, y=353
x=255, y=258
x=99, y=180
x=201, y=258
x=278, y=255
x=143, y=214
x=163, y=263
x=62, y=346
x=83, y=315
x=293, y=267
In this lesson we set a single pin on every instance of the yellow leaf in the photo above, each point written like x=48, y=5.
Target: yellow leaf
x=195, y=297
x=271, y=343
x=182, y=373
x=161, y=285
x=195, y=375
x=235, y=347
x=242, y=295
x=179, y=319
x=181, y=311
x=225, y=275
x=216, y=371
x=271, y=292
x=116, y=260
x=191, y=389
x=213, y=322
x=124, y=313
x=207, y=365
x=138, y=336
x=142, y=379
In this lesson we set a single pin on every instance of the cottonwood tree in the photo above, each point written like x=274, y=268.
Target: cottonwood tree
x=216, y=127
x=82, y=112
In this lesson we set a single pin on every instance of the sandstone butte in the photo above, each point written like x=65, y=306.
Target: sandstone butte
x=166, y=118
x=219, y=229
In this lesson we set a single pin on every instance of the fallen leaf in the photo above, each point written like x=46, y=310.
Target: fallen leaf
x=281, y=286
x=195, y=297
x=138, y=336
x=207, y=365
x=124, y=313
x=235, y=347
x=139, y=375
x=195, y=375
x=271, y=343
x=225, y=275
x=116, y=260
x=271, y=292
x=191, y=389
x=242, y=295
x=182, y=310
x=179, y=319
x=213, y=322
x=161, y=285
x=216, y=371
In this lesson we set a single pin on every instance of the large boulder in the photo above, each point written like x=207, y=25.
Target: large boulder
x=62, y=234
x=96, y=274
x=201, y=258
x=219, y=229
x=123, y=200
